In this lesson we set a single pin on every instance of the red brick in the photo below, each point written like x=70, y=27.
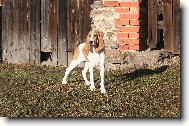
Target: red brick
x=134, y=10
x=129, y=41
x=122, y=35
x=122, y=22
x=129, y=29
x=122, y=10
x=121, y=41
x=111, y=3
x=129, y=16
x=129, y=4
x=124, y=47
x=133, y=41
x=137, y=35
x=134, y=47
x=137, y=22
x=133, y=35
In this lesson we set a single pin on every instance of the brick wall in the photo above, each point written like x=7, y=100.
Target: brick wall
x=131, y=24
x=124, y=24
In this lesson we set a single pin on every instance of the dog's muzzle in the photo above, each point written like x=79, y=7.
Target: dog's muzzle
x=92, y=44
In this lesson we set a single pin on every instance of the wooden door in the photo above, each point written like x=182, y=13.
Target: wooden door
x=32, y=27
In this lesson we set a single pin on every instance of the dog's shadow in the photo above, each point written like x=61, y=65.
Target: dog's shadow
x=126, y=76
x=144, y=72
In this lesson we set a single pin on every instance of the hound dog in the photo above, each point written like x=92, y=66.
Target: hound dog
x=92, y=52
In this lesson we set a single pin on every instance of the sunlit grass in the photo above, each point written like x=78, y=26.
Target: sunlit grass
x=36, y=91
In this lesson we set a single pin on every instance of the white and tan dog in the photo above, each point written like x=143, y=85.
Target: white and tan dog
x=92, y=52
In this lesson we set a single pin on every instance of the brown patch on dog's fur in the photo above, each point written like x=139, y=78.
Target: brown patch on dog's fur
x=100, y=42
x=85, y=49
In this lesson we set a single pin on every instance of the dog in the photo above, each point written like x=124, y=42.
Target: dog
x=92, y=52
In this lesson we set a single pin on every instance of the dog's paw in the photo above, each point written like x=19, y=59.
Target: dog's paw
x=64, y=82
x=103, y=91
x=87, y=83
x=92, y=88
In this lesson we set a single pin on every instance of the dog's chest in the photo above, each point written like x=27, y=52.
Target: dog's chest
x=94, y=58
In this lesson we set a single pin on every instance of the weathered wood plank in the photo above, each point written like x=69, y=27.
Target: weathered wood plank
x=152, y=23
x=10, y=34
x=176, y=26
x=53, y=30
x=87, y=19
x=168, y=34
x=49, y=28
x=5, y=31
x=72, y=31
x=35, y=32
x=45, y=37
x=23, y=30
x=62, y=32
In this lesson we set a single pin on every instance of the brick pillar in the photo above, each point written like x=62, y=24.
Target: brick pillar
x=132, y=23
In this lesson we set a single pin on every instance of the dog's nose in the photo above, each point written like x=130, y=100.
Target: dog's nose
x=91, y=42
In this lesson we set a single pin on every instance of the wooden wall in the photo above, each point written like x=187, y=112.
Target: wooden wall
x=164, y=15
x=34, y=26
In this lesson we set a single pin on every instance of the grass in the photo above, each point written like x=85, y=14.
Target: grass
x=36, y=91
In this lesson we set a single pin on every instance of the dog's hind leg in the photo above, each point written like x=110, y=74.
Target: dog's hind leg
x=92, y=87
x=102, y=88
x=102, y=70
x=84, y=73
x=73, y=64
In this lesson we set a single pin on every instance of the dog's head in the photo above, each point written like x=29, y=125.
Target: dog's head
x=96, y=40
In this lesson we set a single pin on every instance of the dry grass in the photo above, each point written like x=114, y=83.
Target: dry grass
x=35, y=91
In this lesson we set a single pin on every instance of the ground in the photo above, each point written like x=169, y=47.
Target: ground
x=36, y=91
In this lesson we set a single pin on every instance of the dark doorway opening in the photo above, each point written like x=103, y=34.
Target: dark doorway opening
x=160, y=34
x=46, y=56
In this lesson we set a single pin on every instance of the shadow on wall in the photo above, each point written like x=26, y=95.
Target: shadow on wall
x=143, y=23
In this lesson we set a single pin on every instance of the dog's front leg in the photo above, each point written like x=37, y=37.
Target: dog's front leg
x=102, y=70
x=92, y=87
x=102, y=88
x=73, y=64
x=84, y=73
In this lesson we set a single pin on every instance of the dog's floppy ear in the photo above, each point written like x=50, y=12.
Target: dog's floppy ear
x=100, y=42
